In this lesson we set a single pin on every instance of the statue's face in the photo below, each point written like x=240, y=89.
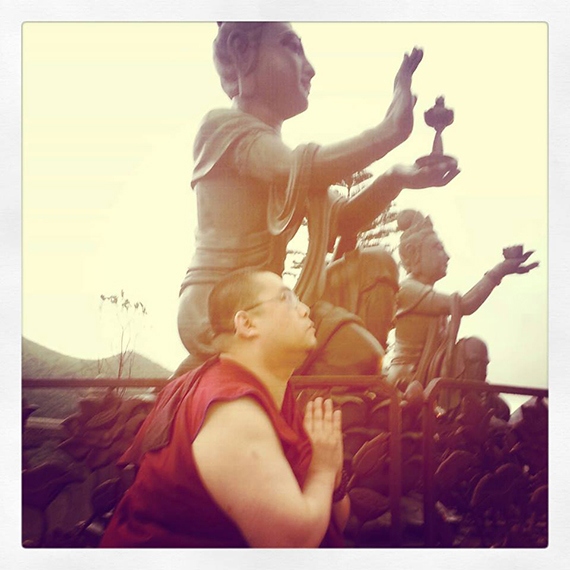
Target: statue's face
x=282, y=74
x=476, y=359
x=433, y=259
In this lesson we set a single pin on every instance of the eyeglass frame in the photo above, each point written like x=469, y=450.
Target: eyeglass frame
x=287, y=296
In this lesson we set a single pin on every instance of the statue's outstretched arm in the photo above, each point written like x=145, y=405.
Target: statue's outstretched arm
x=478, y=294
x=421, y=298
x=367, y=205
x=270, y=159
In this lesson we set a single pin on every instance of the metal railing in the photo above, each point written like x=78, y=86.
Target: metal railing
x=377, y=383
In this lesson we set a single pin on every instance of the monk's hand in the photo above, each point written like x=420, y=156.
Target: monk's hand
x=435, y=175
x=516, y=265
x=324, y=428
x=400, y=115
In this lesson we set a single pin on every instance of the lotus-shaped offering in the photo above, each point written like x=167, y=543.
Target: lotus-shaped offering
x=438, y=117
x=513, y=252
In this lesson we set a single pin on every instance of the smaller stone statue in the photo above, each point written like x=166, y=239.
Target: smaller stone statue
x=427, y=321
x=438, y=117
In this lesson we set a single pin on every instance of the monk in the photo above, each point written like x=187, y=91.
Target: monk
x=225, y=458
x=253, y=193
x=427, y=321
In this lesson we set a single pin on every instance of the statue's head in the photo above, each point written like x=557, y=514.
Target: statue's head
x=421, y=252
x=475, y=358
x=263, y=63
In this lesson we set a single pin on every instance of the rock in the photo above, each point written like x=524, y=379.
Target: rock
x=42, y=484
x=412, y=511
x=367, y=504
x=106, y=496
x=354, y=439
x=539, y=501
x=380, y=415
x=376, y=530
x=412, y=473
x=369, y=457
x=454, y=469
x=354, y=410
x=411, y=444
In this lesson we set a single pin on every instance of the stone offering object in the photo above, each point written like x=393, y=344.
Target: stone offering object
x=438, y=117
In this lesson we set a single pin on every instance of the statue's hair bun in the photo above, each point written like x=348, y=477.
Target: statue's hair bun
x=408, y=218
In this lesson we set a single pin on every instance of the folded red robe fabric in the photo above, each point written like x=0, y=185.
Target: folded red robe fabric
x=167, y=505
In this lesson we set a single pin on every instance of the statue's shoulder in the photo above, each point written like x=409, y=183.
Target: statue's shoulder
x=220, y=130
x=228, y=120
x=411, y=292
x=412, y=285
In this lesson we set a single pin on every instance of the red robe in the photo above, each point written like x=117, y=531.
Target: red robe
x=167, y=505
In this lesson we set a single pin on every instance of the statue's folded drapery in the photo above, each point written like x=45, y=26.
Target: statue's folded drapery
x=427, y=352
x=223, y=142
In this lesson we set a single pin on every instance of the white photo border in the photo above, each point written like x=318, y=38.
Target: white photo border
x=553, y=12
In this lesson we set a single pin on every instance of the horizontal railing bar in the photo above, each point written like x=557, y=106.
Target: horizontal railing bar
x=441, y=383
x=94, y=382
x=297, y=381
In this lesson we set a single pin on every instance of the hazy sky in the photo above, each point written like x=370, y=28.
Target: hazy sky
x=110, y=111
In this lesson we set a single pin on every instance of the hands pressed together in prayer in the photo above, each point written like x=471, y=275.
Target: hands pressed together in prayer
x=324, y=428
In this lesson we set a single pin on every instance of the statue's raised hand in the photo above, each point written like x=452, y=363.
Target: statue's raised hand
x=515, y=264
x=416, y=177
x=400, y=114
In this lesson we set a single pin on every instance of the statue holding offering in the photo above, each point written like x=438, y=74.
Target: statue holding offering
x=253, y=193
x=427, y=322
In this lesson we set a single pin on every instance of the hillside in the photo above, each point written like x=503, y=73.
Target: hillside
x=41, y=362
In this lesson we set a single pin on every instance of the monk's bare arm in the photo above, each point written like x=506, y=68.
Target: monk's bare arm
x=241, y=462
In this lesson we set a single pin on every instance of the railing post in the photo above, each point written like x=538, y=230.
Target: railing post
x=395, y=466
x=428, y=421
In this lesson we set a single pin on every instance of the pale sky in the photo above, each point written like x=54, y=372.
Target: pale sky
x=110, y=111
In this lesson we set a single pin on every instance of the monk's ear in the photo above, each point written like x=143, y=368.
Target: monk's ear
x=243, y=53
x=244, y=325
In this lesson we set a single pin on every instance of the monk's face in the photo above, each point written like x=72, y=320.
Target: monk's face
x=282, y=322
x=282, y=74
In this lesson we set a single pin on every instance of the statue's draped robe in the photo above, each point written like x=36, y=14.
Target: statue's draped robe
x=423, y=357
x=223, y=141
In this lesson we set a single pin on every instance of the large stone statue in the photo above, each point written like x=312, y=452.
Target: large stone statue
x=253, y=193
x=427, y=322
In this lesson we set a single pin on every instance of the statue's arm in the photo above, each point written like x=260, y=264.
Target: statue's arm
x=478, y=294
x=418, y=298
x=367, y=205
x=270, y=160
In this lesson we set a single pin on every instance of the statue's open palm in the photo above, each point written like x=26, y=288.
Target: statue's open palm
x=401, y=111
